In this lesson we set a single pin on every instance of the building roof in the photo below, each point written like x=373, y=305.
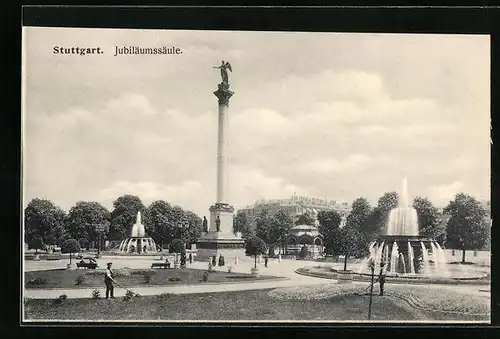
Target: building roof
x=300, y=230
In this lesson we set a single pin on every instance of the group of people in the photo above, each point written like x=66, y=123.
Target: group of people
x=222, y=261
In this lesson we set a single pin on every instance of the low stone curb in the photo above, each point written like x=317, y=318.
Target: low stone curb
x=160, y=286
x=395, y=280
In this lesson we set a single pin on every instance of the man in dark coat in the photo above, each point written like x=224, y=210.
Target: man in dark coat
x=381, y=277
x=109, y=281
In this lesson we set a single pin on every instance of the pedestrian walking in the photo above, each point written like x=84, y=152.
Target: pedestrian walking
x=214, y=260
x=109, y=281
x=190, y=258
x=265, y=260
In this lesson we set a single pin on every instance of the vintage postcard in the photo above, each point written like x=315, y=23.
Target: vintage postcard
x=183, y=175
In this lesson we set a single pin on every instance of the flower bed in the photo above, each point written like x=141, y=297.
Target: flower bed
x=426, y=298
x=314, y=292
x=442, y=300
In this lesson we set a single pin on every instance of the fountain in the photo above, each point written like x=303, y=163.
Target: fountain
x=404, y=251
x=138, y=242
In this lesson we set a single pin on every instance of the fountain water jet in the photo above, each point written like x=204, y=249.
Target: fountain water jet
x=403, y=249
x=138, y=242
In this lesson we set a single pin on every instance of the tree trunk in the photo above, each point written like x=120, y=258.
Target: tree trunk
x=345, y=262
x=70, y=258
x=463, y=256
x=255, y=256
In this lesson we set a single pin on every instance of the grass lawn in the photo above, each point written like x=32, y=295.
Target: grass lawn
x=242, y=305
x=83, y=278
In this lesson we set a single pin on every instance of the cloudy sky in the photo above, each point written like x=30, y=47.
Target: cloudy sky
x=328, y=115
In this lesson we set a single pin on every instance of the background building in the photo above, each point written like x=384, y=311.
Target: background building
x=298, y=205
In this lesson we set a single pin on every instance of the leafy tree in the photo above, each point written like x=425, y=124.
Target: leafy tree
x=84, y=243
x=305, y=219
x=124, y=215
x=241, y=223
x=359, y=214
x=179, y=223
x=467, y=228
x=157, y=222
x=43, y=221
x=349, y=243
x=279, y=228
x=36, y=243
x=70, y=246
x=177, y=246
x=428, y=221
x=82, y=218
x=263, y=221
x=329, y=222
x=255, y=246
x=195, y=226
x=379, y=217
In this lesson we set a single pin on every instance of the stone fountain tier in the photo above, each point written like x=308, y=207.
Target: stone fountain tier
x=138, y=242
x=138, y=245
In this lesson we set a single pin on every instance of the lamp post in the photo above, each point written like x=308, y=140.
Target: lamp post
x=372, y=269
x=99, y=229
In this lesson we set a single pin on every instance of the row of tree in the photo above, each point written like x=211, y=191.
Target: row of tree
x=47, y=224
x=467, y=227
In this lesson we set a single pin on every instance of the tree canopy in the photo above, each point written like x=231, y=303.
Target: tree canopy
x=329, y=223
x=305, y=219
x=82, y=218
x=241, y=223
x=428, y=220
x=177, y=246
x=377, y=221
x=124, y=215
x=467, y=228
x=70, y=246
x=43, y=221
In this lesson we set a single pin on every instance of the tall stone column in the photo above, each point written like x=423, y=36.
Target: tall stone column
x=220, y=239
x=223, y=95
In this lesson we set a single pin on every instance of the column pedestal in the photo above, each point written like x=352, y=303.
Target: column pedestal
x=223, y=241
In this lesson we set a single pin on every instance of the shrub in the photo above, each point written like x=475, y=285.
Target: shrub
x=255, y=246
x=164, y=296
x=60, y=299
x=174, y=279
x=96, y=294
x=147, y=277
x=122, y=272
x=177, y=246
x=84, y=242
x=37, y=281
x=142, y=272
x=70, y=246
x=129, y=295
x=80, y=279
x=36, y=243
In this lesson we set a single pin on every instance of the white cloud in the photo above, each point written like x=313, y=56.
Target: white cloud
x=328, y=165
x=442, y=194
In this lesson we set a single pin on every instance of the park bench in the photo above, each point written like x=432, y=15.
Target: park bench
x=160, y=265
x=89, y=263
